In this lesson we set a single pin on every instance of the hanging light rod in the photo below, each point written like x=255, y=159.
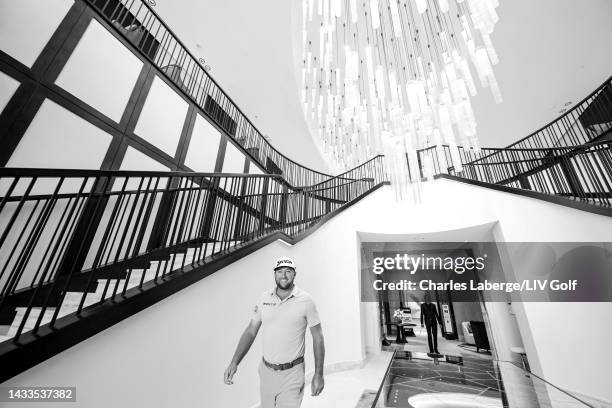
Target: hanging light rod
x=395, y=76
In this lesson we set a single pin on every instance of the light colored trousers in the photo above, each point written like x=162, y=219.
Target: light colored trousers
x=281, y=389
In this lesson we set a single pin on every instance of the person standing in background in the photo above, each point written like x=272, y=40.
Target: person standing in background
x=431, y=318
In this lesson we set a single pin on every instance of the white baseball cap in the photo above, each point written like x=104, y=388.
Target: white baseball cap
x=284, y=261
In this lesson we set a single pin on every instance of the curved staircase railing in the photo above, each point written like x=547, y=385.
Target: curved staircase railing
x=74, y=243
x=135, y=21
x=571, y=157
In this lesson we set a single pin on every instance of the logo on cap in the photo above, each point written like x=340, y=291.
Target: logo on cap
x=284, y=261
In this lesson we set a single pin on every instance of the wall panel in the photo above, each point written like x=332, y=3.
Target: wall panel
x=162, y=117
x=234, y=160
x=27, y=25
x=254, y=169
x=101, y=72
x=8, y=86
x=203, y=147
x=135, y=160
x=57, y=138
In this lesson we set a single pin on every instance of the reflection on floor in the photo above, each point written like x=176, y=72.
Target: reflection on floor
x=351, y=389
x=418, y=342
x=413, y=373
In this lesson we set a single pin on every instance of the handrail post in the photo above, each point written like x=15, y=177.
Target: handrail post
x=210, y=208
x=573, y=182
x=85, y=228
x=305, y=212
x=264, y=205
x=240, y=201
x=161, y=218
x=282, y=217
x=522, y=178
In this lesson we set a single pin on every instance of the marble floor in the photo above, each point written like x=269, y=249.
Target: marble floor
x=418, y=342
x=415, y=373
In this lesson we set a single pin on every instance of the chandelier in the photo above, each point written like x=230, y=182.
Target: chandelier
x=394, y=76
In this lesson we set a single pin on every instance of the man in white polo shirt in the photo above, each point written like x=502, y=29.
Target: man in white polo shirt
x=283, y=313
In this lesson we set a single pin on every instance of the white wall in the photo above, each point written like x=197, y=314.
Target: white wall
x=234, y=159
x=464, y=312
x=162, y=117
x=8, y=86
x=254, y=168
x=27, y=25
x=174, y=353
x=203, y=147
x=136, y=160
x=57, y=138
x=101, y=72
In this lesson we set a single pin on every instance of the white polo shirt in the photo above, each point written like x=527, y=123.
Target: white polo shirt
x=284, y=323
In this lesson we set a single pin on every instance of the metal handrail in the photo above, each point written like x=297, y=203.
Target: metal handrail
x=68, y=231
x=530, y=374
x=585, y=100
x=569, y=157
x=572, y=117
x=198, y=85
x=579, y=172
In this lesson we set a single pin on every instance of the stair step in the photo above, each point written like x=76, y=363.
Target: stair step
x=72, y=299
x=7, y=315
x=31, y=320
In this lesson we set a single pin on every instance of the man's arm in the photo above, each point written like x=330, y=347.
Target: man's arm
x=246, y=340
x=421, y=315
x=318, y=345
x=438, y=316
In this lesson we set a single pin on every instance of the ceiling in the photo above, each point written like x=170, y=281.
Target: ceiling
x=551, y=52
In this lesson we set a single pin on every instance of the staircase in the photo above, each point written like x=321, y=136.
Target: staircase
x=568, y=161
x=81, y=250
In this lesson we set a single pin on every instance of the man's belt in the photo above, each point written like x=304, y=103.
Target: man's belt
x=284, y=366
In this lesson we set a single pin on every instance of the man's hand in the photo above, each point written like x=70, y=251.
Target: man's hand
x=317, y=384
x=229, y=373
x=246, y=340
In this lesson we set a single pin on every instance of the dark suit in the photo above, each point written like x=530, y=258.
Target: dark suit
x=429, y=315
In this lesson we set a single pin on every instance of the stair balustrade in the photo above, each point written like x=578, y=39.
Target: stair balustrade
x=571, y=157
x=71, y=240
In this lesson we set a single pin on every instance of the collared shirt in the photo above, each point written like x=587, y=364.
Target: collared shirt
x=284, y=323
